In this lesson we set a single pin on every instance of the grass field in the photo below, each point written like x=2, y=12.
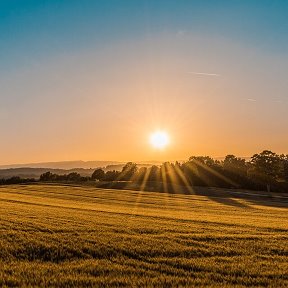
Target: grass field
x=67, y=236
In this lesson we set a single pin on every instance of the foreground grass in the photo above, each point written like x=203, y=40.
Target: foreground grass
x=67, y=236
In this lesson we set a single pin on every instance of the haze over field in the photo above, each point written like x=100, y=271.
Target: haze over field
x=62, y=165
x=93, y=79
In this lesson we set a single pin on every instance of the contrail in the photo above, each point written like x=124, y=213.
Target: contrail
x=269, y=100
x=204, y=74
x=250, y=99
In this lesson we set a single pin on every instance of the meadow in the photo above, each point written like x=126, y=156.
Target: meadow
x=73, y=236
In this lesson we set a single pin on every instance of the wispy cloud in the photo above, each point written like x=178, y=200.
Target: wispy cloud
x=205, y=74
x=266, y=100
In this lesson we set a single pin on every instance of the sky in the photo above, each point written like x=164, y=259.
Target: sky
x=91, y=80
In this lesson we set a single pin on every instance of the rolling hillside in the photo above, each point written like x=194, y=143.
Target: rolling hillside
x=69, y=236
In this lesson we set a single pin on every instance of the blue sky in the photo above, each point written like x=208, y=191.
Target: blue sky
x=67, y=64
x=40, y=28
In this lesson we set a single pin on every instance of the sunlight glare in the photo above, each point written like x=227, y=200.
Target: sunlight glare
x=159, y=139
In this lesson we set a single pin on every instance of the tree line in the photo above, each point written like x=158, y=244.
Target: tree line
x=16, y=180
x=266, y=170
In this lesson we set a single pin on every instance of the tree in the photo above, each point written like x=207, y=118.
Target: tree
x=267, y=162
x=98, y=174
x=47, y=176
x=141, y=175
x=74, y=176
x=268, y=166
x=205, y=160
x=128, y=171
x=235, y=165
x=154, y=173
x=111, y=175
x=206, y=171
x=285, y=169
x=284, y=160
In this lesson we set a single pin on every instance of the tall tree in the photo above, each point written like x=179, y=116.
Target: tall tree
x=267, y=165
x=235, y=165
x=267, y=162
x=284, y=160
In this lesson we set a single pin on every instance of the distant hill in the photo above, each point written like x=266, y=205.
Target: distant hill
x=34, y=170
x=63, y=164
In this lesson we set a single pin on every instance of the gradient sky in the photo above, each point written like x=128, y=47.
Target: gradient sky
x=91, y=80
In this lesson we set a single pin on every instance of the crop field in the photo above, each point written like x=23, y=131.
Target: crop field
x=73, y=236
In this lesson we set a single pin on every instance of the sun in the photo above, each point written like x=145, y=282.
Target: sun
x=159, y=139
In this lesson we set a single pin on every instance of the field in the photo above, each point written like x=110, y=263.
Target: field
x=69, y=236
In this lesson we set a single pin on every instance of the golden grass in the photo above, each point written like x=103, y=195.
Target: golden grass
x=65, y=236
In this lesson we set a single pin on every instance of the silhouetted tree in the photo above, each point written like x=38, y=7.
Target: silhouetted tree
x=47, y=176
x=111, y=175
x=98, y=174
x=16, y=180
x=264, y=170
x=284, y=160
x=128, y=171
x=207, y=172
x=235, y=164
x=205, y=160
x=235, y=169
x=141, y=175
x=164, y=172
x=267, y=162
x=154, y=173
x=267, y=165
x=74, y=176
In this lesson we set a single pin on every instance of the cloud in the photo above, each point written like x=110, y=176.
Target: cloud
x=252, y=100
x=267, y=100
x=205, y=74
